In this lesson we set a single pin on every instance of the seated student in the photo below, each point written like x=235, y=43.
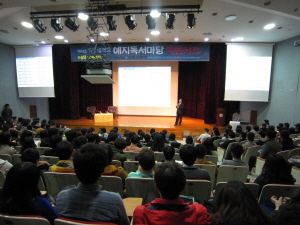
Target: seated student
x=286, y=141
x=118, y=146
x=80, y=141
x=231, y=136
x=236, y=153
x=54, y=140
x=250, y=142
x=201, y=153
x=146, y=160
x=255, y=130
x=113, y=169
x=243, y=136
x=225, y=135
x=238, y=131
x=248, y=129
x=172, y=140
x=158, y=142
x=92, y=137
x=169, y=209
x=21, y=196
x=204, y=136
x=87, y=201
x=169, y=153
x=133, y=147
x=27, y=142
x=64, y=151
x=271, y=145
x=147, y=139
x=5, y=144
x=261, y=137
x=188, y=155
x=32, y=155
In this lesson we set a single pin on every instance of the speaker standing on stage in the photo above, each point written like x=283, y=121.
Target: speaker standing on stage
x=180, y=107
x=7, y=113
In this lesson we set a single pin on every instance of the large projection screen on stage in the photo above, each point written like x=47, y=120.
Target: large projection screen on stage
x=145, y=88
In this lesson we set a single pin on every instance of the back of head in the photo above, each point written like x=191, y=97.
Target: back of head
x=152, y=130
x=248, y=128
x=188, y=154
x=81, y=140
x=284, y=134
x=30, y=155
x=229, y=127
x=287, y=125
x=89, y=162
x=216, y=131
x=170, y=180
x=237, y=150
x=43, y=134
x=120, y=143
x=135, y=139
x=25, y=133
x=169, y=152
x=189, y=140
x=200, y=150
x=91, y=137
x=271, y=134
x=147, y=137
x=292, y=130
x=206, y=130
x=28, y=142
x=52, y=131
x=238, y=130
x=146, y=159
x=112, y=137
x=13, y=133
x=256, y=127
x=250, y=136
x=231, y=134
x=158, y=143
x=54, y=140
x=64, y=150
x=5, y=138
x=262, y=134
x=103, y=129
x=83, y=131
x=70, y=135
x=227, y=130
x=172, y=137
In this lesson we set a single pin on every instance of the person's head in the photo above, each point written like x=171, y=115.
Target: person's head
x=287, y=125
x=48, y=126
x=206, y=130
x=227, y=130
x=262, y=134
x=236, y=205
x=6, y=127
x=169, y=180
x=255, y=127
x=103, y=130
x=250, y=136
x=292, y=130
x=110, y=153
x=54, y=140
x=216, y=131
x=13, y=133
x=120, y=143
x=70, y=135
x=25, y=133
x=229, y=127
x=92, y=129
x=231, y=134
x=158, y=143
x=112, y=137
x=89, y=162
x=189, y=140
x=169, y=152
x=28, y=142
x=81, y=140
x=188, y=154
x=271, y=127
x=139, y=131
x=146, y=159
x=238, y=130
x=172, y=137
x=5, y=138
x=284, y=134
x=248, y=129
x=236, y=151
x=43, y=134
x=20, y=188
x=147, y=137
x=64, y=150
x=152, y=130
x=83, y=131
x=243, y=135
x=271, y=134
x=266, y=122
x=164, y=131
x=200, y=150
x=30, y=155
x=91, y=137
x=6, y=106
x=52, y=131
x=180, y=100
x=135, y=139
x=142, y=135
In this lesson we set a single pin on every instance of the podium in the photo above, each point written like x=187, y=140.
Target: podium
x=221, y=114
x=113, y=110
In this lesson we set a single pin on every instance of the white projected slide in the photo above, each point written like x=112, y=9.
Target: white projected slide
x=134, y=82
x=248, y=72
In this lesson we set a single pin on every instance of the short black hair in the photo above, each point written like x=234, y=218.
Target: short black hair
x=255, y=127
x=43, y=134
x=30, y=155
x=146, y=159
x=262, y=134
x=81, y=140
x=135, y=139
x=83, y=131
x=52, y=131
x=112, y=137
x=120, y=143
x=284, y=134
x=243, y=135
x=64, y=150
x=287, y=125
x=189, y=140
x=89, y=162
x=103, y=129
x=170, y=180
x=250, y=136
x=237, y=150
x=91, y=137
x=271, y=134
x=70, y=135
x=169, y=152
x=147, y=137
x=231, y=134
x=5, y=138
x=200, y=151
x=248, y=128
x=54, y=140
x=172, y=137
x=227, y=130
x=206, y=129
x=152, y=130
x=188, y=154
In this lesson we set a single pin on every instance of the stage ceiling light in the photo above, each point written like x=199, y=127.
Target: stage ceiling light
x=72, y=25
x=56, y=24
x=92, y=23
x=39, y=26
x=111, y=23
x=150, y=22
x=191, y=21
x=170, y=21
x=130, y=22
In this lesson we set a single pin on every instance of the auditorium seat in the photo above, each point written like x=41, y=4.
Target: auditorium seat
x=296, y=143
x=228, y=173
x=293, y=136
x=296, y=174
x=139, y=187
x=294, y=152
x=211, y=169
x=130, y=155
x=7, y=157
x=177, y=156
x=242, y=142
x=284, y=154
x=112, y=183
x=117, y=163
x=217, y=142
x=252, y=187
x=212, y=158
x=2, y=179
x=259, y=165
x=199, y=189
x=50, y=159
x=16, y=158
x=252, y=151
x=43, y=149
x=66, y=221
x=221, y=153
x=131, y=166
x=23, y=220
x=159, y=156
x=41, y=185
x=18, y=148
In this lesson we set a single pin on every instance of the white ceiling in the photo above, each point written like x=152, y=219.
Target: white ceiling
x=282, y=13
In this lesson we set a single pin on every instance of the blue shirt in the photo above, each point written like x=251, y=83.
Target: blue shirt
x=88, y=202
x=139, y=174
x=45, y=209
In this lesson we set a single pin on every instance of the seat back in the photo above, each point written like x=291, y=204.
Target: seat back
x=131, y=166
x=217, y=142
x=284, y=154
x=41, y=185
x=252, y=151
x=18, y=148
x=23, y=220
x=212, y=158
x=7, y=157
x=278, y=190
x=294, y=152
x=296, y=143
x=293, y=136
x=228, y=173
x=2, y=179
x=159, y=156
x=139, y=187
x=199, y=189
x=49, y=159
x=112, y=183
x=252, y=187
x=16, y=158
x=66, y=221
x=42, y=150
x=296, y=174
x=117, y=163
x=259, y=165
x=221, y=153
x=177, y=156
x=242, y=142
x=55, y=182
x=211, y=169
x=131, y=155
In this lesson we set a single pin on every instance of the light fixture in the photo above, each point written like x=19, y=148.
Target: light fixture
x=66, y=41
x=83, y=16
x=230, y=17
x=176, y=39
x=239, y=39
x=26, y=24
x=191, y=21
x=43, y=42
x=155, y=13
x=147, y=39
x=155, y=32
x=104, y=34
x=170, y=21
x=150, y=22
x=206, y=39
x=92, y=23
x=130, y=22
x=39, y=26
x=119, y=39
x=72, y=25
x=269, y=26
x=59, y=37
x=92, y=40
x=56, y=24
x=111, y=23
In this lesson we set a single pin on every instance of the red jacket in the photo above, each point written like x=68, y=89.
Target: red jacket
x=196, y=214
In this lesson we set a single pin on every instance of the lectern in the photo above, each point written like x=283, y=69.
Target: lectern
x=221, y=113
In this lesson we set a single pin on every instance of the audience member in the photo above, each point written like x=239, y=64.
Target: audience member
x=248, y=129
x=80, y=141
x=87, y=201
x=146, y=160
x=28, y=142
x=104, y=132
x=32, y=155
x=173, y=142
x=204, y=136
x=5, y=144
x=169, y=153
x=118, y=145
x=71, y=135
x=45, y=140
x=255, y=130
x=158, y=143
x=236, y=153
x=189, y=140
x=250, y=142
x=170, y=181
x=201, y=153
x=243, y=136
x=54, y=140
x=230, y=140
x=91, y=137
x=215, y=133
x=133, y=147
x=262, y=138
x=286, y=141
x=271, y=145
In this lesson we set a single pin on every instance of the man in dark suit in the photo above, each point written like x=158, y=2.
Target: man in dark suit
x=180, y=107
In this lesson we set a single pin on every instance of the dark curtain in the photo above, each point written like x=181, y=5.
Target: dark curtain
x=201, y=85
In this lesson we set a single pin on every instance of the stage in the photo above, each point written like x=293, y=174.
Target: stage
x=189, y=126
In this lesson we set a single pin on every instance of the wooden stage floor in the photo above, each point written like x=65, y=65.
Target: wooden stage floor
x=189, y=126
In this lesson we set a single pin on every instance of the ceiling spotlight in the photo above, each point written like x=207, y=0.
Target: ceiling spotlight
x=155, y=13
x=230, y=17
x=119, y=39
x=56, y=24
x=92, y=40
x=147, y=39
x=66, y=41
x=104, y=34
x=239, y=39
x=42, y=42
x=206, y=39
x=191, y=21
x=150, y=22
x=83, y=16
x=111, y=23
x=59, y=37
x=39, y=26
x=72, y=25
x=170, y=21
x=130, y=22
x=92, y=23
x=269, y=26
x=26, y=24
x=155, y=32
x=176, y=39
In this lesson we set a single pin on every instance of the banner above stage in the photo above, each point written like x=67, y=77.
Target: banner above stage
x=164, y=51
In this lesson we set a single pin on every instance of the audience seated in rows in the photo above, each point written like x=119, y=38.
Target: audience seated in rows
x=87, y=201
x=236, y=153
x=28, y=142
x=146, y=160
x=133, y=146
x=54, y=140
x=32, y=155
